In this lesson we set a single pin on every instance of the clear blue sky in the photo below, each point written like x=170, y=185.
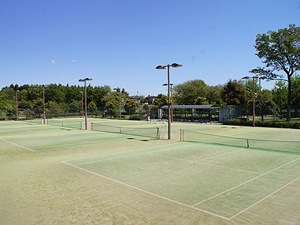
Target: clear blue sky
x=120, y=42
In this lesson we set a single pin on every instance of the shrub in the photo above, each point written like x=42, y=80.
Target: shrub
x=295, y=125
x=135, y=117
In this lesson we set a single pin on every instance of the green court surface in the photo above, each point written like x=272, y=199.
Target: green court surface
x=61, y=174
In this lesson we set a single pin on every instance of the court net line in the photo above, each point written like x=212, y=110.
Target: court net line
x=152, y=132
x=247, y=141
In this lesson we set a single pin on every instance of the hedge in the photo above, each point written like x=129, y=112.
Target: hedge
x=295, y=125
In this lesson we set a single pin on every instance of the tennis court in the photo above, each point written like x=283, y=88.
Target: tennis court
x=135, y=178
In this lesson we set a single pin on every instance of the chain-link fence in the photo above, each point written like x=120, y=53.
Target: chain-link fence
x=262, y=113
x=245, y=112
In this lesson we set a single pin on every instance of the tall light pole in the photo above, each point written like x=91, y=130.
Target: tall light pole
x=160, y=67
x=17, y=116
x=119, y=90
x=44, y=109
x=253, y=90
x=85, y=99
x=171, y=100
x=82, y=103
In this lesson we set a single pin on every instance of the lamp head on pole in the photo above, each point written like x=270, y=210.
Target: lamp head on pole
x=85, y=79
x=160, y=67
x=175, y=65
x=246, y=77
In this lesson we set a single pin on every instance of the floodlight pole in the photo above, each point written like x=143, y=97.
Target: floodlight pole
x=85, y=98
x=175, y=65
x=17, y=116
x=120, y=106
x=253, y=90
x=171, y=87
x=44, y=109
x=82, y=104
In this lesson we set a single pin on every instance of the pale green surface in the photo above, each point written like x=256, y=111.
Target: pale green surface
x=38, y=188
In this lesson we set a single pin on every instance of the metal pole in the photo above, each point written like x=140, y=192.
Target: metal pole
x=17, y=117
x=120, y=102
x=85, y=104
x=44, y=104
x=169, y=104
x=82, y=103
x=253, y=103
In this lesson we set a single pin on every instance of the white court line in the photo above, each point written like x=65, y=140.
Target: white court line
x=17, y=145
x=116, y=153
x=147, y=192
x=248, y=181
x=264, y=198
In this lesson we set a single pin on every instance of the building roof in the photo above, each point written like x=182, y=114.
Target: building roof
x=192, y=107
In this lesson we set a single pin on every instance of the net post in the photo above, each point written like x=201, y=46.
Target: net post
x=247, y=143
x=120, y=130
x=92, y=125
x=157, y=133
x=181, y=134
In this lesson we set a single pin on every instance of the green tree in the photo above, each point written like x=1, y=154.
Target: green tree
x=280, y=51
x=264, y=104
x=189, y=91
x=3, y=100
x=201, y=101
x=161, y=100
x=295, y=90
x=280, y=93
x=99, y=93
x=131, y=105
x=248, y=84
x=213, y=95
x=233, y=93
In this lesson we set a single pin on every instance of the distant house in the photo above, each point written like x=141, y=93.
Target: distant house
x=150, y=99
x=136, y=98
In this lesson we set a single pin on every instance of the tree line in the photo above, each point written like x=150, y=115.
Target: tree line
x=192, y=92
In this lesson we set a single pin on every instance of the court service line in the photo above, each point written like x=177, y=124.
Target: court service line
x=246, y=182
x=121, y=152
x=18, y=145
x=264, y=198
x=147, y=192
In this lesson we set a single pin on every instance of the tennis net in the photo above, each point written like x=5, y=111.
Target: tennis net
x=65, y=123
x=152, y=132
x=274, y=145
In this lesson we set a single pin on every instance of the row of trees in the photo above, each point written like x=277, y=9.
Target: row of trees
x=196, y=92
x=61, y=97
x=192, y=92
